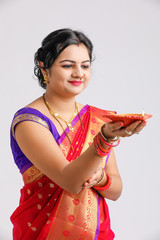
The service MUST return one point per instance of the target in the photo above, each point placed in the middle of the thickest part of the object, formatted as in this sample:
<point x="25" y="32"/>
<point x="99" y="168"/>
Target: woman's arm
<point x="115" y="189"/>
<point x="39" y="146"/>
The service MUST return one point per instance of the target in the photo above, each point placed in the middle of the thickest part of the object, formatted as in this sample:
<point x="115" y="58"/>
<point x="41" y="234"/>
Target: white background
<point x="125" y="78"/>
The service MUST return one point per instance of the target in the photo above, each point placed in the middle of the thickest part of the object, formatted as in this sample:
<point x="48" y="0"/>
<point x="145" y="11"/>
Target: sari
<point x="46" y="211"/>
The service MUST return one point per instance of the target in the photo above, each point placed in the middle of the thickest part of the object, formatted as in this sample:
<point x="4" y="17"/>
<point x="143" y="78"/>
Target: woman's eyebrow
<point x="66" y="60"/>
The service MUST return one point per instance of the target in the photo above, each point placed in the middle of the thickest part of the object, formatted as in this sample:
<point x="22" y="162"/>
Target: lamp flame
<point x="143" y="112"/>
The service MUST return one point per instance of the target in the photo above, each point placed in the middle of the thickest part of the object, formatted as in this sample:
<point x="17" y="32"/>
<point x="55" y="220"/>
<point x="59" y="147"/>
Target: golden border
<point x="28" y="117"/>
<point x="31" y="174"/>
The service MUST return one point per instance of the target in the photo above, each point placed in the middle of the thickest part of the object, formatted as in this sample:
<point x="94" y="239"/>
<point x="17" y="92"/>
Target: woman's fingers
<point x="89" y="185"/>
<point x="95" y="176"/>
<point x="135" y="127"/>
<point x="94" y="179"/>
<point x="113" y="129"/>
<point x="110" y="128"/>
<point x="140" y="127"/>
<point x="131" y="129"/>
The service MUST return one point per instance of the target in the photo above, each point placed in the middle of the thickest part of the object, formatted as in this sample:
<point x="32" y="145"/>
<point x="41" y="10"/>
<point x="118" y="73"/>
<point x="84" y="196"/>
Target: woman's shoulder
<point x="31" y="112"/>
<point x="34" y="107"/>
<point x="36" y="104"/>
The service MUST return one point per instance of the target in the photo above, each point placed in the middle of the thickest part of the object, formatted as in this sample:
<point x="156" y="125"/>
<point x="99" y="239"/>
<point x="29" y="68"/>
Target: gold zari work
<point x="28" y="117"/>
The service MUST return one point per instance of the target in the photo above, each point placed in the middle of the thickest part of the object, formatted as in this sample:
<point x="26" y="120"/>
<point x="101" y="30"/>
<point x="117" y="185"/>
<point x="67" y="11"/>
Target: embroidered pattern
<point x="28" y="117"/>
<point x="32" y="174"/>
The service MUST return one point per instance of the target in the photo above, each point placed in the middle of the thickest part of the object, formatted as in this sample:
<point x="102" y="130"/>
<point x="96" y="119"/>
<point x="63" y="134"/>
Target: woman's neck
<point x="63" y="106"/>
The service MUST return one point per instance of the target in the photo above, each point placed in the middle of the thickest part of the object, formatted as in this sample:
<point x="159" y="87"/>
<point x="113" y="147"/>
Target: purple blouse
<point x="28" y="114"/>
<point x="31" y="114"/>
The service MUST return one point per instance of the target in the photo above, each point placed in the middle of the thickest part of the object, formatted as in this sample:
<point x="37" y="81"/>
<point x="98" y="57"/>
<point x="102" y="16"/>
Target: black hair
<point x="53" y="45"/>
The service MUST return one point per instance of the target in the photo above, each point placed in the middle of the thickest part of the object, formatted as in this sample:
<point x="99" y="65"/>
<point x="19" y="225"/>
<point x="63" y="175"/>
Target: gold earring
<point x="45" y="79"/>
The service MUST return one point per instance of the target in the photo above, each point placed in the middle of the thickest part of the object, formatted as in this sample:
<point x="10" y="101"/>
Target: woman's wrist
<point x="104" y="185"/>
<point x="102" y="181"/>
<point x="101" y="148"/>
<point x="106" y="138"/>
<point x="102" y="144"/>
<point x="111" y="142"/>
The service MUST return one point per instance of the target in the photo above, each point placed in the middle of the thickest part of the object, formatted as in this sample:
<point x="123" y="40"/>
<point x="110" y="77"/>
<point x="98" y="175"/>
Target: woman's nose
<point x="78" y="73"/>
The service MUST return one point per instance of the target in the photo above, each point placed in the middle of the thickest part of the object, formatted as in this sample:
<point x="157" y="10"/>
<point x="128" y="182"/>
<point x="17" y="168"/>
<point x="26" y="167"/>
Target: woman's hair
<point x="53" y="45"/>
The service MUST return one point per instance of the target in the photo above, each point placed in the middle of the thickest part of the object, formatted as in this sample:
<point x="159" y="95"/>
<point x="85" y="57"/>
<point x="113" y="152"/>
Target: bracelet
<point x="102" y="177"/>
<point x="100" y="151"/>
<point x="97" y="148"/>
<point x="99" y="144"/>
<point x="108" y="184"/>
<point x="108" y="144"/>
<point x="107" y="141"/>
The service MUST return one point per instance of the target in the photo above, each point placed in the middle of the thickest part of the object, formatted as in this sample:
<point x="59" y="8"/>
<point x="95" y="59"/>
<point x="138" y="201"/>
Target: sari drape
<point x="46" y="211"/>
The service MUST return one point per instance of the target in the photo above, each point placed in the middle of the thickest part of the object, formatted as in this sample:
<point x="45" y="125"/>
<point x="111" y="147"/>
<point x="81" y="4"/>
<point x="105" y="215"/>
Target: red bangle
<point x="108" y="144"/>
<point x="100" y="151"/>
<point x="100" y="146"/>
<point x="108" y="184"/>
<point x="97" y="148"/>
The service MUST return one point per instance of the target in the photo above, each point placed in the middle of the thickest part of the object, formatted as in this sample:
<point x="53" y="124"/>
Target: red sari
<point x="46" y="211"/>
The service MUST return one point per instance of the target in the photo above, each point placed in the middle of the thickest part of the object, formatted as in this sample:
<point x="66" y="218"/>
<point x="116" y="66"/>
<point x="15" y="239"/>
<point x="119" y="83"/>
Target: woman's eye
<point x="85" y="66"/>
<point x="67" y="66"/>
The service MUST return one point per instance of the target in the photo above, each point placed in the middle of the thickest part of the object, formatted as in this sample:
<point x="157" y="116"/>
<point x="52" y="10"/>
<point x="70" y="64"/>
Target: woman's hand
<point x="116" y="129"/>
<point x="97" y="176"/>
<point x="112" y="130"/>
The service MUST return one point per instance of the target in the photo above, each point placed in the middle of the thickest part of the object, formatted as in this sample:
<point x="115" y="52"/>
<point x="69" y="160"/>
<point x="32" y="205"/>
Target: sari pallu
<point x="46" y="211"/>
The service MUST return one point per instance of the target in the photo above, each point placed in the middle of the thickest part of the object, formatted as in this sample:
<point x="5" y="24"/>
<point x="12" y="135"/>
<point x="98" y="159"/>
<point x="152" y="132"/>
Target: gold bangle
<point x="101" y="178"/>
<point x="108" y="139"/>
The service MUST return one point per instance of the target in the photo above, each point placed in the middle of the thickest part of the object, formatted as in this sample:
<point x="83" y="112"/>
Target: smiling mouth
<point x="76" y="83"/>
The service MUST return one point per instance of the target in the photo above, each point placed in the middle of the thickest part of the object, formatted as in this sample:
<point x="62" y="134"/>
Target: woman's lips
<point x="76" y="83"/>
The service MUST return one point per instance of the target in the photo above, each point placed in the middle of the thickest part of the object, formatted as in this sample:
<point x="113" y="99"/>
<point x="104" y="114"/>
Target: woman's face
<point x="70" y="72"/>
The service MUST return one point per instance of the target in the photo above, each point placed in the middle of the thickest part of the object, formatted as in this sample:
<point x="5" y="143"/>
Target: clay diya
<point x="127" y="118"/>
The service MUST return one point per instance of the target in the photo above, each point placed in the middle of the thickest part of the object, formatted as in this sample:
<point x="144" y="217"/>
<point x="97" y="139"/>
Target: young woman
<point x="64" y="150"/>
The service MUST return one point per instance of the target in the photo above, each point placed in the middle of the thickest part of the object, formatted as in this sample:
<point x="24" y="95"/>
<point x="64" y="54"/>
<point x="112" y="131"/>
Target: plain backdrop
<point x="125" y="78"/>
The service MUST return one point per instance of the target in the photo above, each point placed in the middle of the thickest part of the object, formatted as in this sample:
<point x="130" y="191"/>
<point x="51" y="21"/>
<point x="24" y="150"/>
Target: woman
<point x="64" y="150"/>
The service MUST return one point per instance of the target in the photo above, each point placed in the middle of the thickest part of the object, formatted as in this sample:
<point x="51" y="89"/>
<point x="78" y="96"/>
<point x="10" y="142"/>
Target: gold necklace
<point x="55" y="115"/>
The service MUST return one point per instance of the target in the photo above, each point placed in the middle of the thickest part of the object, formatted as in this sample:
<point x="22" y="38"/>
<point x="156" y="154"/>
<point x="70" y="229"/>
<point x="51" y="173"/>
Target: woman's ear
<point x="44" y="71"/>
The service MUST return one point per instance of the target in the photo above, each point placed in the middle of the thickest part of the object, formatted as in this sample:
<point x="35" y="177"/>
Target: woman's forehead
<point x="75" y="53"/>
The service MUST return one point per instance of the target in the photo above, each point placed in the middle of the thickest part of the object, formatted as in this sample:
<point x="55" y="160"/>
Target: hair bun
<point x="41" y="54"/>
